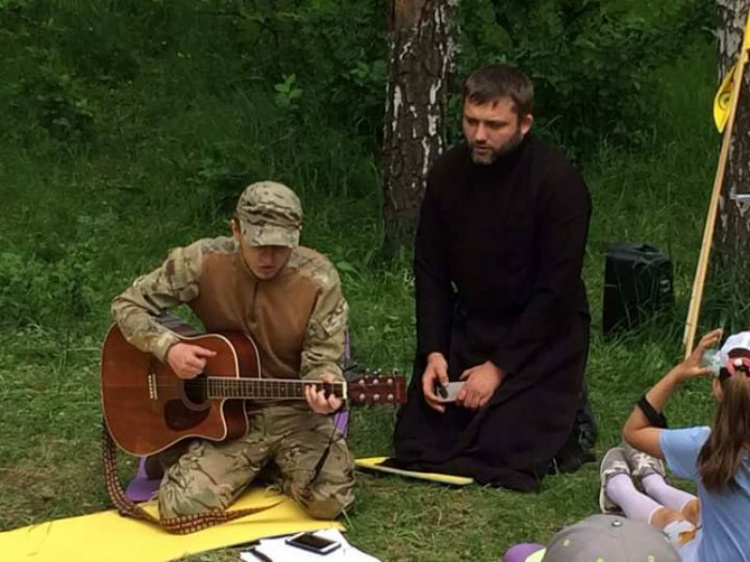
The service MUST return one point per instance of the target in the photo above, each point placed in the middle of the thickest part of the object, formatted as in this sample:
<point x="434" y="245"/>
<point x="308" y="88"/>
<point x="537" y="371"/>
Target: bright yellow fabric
<point x="373" y="463"/>
<point x="111" y="537"/>
<point x="723" y="98"/>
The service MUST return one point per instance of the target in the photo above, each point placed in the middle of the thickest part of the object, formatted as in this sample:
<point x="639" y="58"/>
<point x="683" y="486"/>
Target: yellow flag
<point x="723" y="98"/>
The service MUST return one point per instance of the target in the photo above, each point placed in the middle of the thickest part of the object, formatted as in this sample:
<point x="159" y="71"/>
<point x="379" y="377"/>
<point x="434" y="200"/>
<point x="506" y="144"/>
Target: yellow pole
<point x="691" y="324"/>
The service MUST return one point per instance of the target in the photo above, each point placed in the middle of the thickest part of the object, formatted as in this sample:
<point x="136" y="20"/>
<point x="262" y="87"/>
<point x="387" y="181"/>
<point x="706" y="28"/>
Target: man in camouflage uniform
<point x="288" y="299"/>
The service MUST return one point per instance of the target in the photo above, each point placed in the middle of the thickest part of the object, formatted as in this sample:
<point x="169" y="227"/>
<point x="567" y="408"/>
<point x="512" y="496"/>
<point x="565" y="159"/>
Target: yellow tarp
<point x="373" y="463"/>
<point x="111" y="537"/>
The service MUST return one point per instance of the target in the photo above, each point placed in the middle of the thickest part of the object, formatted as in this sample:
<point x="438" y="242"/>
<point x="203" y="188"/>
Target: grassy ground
<point x="82" y="217"/>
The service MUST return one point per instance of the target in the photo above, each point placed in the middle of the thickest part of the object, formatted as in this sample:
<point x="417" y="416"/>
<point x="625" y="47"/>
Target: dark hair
<point x="721" y="455"/>
<point x="490" y="83"/>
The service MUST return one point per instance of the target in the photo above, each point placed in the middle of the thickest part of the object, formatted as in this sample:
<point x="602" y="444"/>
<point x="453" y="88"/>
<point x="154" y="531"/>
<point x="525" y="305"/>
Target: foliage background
<point x="129" y="127"/>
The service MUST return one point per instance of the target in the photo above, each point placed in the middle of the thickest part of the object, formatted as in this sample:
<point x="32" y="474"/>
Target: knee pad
<point x="328" y="508"/>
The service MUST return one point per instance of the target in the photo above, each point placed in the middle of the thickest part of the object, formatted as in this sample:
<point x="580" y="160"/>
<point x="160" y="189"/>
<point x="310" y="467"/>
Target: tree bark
<point x="733" y="234"/>
<point x="421" y="62"/>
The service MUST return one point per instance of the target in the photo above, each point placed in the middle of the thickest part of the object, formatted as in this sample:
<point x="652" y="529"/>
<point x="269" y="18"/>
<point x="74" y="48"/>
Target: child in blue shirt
<point x="716" y="458"/>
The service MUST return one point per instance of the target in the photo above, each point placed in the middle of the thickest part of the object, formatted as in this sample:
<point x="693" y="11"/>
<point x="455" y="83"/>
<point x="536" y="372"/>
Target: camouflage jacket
<point x="298" y="319"/>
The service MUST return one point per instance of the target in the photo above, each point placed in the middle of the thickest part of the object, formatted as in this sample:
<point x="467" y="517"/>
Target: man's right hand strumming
<point x="187" y="360"/>
<point x="435" y="374"/>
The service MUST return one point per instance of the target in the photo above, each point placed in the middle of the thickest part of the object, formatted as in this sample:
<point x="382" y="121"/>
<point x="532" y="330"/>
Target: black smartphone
<point x="313" y="543"/>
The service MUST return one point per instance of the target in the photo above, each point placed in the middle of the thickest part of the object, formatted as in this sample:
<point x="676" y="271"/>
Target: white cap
<point x="735" y="341"/>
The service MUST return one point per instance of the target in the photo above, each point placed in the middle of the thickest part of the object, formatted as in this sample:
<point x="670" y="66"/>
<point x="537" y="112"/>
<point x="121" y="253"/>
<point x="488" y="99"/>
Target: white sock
<point x="656" y="487"/>
<point x="634" y="504"/>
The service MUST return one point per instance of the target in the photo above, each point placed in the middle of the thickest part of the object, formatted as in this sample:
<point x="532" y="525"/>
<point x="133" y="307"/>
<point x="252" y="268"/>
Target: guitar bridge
<point x="153" y="394"/>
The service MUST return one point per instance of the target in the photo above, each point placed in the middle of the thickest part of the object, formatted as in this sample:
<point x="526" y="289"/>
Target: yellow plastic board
<point x="374" y="463"/>
<point x="111" y="537"/>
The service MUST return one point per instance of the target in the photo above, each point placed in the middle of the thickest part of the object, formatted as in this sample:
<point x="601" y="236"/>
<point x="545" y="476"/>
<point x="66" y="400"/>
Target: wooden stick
<point x="691" y="324"/>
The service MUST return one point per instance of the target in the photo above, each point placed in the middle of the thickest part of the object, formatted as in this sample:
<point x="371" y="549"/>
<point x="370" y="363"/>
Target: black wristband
<point x="654" y="418"/>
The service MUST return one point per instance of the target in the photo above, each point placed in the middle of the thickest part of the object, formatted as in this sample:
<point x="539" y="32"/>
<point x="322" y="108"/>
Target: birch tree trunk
<point x="733" y="234"/>
<point x="421" y="62"/>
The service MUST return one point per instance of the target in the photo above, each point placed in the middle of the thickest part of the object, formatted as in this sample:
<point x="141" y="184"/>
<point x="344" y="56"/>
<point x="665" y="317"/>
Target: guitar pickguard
<point x="179" y="417"/>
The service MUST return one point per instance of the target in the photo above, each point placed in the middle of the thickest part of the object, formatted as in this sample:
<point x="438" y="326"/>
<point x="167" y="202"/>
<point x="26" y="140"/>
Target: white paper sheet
<point x="278" y="551"/>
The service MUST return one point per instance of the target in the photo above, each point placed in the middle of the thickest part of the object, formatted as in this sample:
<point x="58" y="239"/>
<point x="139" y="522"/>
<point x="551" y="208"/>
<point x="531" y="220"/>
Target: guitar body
<point x="148" y="408"/>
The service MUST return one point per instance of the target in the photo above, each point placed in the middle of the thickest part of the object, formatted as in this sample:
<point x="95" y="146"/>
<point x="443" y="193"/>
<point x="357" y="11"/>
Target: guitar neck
<point x="267" y="389"/>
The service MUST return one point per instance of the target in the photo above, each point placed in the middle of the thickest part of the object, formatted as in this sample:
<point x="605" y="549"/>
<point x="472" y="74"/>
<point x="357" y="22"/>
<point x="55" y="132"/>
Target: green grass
<point x="167" y="154"/>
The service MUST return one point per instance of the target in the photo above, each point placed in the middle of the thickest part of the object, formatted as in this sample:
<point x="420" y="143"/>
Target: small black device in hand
<point x="313" y="543"/>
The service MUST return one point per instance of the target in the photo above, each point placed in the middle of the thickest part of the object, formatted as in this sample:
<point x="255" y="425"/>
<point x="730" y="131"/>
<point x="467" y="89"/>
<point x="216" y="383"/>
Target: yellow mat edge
<point x="109" y="536"/>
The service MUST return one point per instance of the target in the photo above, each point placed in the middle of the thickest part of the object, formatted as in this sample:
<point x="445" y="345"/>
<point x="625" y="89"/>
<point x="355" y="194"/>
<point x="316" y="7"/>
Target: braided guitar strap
<point x="177" y="525"/>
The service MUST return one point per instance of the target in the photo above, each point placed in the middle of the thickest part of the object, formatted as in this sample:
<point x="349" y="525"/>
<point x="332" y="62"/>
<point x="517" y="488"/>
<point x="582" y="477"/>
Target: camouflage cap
<point x="270" y="214"/>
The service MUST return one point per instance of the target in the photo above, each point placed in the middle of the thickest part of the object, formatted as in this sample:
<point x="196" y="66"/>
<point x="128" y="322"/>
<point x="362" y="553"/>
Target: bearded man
<point x="500" y="302"/>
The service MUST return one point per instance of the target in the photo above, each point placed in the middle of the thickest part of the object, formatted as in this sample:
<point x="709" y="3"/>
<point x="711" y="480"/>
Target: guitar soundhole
<point x="179" y="417"/>
<point x="195" y="390"/>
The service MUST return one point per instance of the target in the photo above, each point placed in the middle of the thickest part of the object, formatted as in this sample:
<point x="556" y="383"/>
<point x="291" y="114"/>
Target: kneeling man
<point x="288" y="299"/>
<point x="500" y="301"/>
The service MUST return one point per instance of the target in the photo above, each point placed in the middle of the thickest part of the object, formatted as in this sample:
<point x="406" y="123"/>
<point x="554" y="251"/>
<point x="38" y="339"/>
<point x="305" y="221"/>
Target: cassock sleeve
<point x="434" y="295"/>
<point x="560" y="247"/>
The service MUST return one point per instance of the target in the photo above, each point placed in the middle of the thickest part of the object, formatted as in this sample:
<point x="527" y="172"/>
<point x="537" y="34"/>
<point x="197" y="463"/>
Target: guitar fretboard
<point x="265" y="389"/>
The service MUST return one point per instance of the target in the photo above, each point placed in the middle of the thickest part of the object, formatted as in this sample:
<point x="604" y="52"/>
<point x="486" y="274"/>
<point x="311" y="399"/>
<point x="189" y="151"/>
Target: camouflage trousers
<point x="285" y="443"/>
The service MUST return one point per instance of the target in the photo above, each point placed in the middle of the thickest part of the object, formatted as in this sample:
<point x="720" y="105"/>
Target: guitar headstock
<point x="377" y="389"/>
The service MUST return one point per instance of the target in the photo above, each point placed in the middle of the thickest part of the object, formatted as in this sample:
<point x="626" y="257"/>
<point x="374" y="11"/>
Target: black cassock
<point x="498" y="260"/>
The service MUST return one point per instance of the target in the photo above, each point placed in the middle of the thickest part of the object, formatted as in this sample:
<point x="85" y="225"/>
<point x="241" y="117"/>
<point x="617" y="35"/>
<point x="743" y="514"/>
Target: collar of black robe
<point x="503" y="161"/>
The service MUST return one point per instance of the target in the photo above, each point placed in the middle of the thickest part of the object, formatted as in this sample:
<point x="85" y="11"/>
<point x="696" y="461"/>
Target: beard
<point x="487" y="157"/>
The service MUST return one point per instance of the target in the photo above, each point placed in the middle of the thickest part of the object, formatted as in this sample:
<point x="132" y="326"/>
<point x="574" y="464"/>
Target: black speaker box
<point x="637" y="286"/>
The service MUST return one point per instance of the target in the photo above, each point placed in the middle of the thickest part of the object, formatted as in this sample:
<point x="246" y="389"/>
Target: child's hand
<point x="691" y="368"/>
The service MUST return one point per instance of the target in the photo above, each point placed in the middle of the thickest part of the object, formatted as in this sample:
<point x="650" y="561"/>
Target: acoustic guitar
<point x="148" y="408"/>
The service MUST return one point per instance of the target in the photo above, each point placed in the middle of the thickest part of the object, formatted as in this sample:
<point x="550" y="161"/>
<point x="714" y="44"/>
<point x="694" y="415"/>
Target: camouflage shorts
<point x="286" y="443"/>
